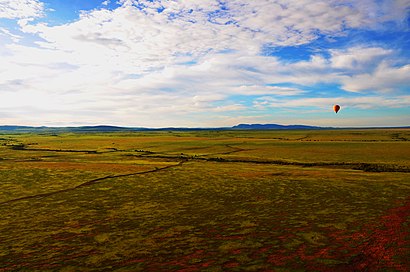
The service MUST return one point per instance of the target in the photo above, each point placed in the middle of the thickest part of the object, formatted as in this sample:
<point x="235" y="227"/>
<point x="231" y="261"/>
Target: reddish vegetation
<point x="387" y="245"/>
<point x="376" y="247"/>
<point x="379" y="246"/>
<point x="231" y="264"/>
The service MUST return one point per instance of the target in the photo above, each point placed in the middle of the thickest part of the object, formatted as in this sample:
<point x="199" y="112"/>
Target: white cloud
<point x="266" y="90"/>
<point x="195" y="28"/>
<point x="396" y="10"/>
<point x="132" y="63"/>
<point x="363" y="102"/>
<point x="358" y="58"/>
<point x="6" y="33"/>
<point x="21" y="9"/>
<point x="385" y="78"/>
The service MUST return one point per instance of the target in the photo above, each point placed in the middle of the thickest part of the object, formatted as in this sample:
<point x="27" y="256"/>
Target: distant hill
<point x="102" y="128"/>
<point x="43" y="129"/>
<point x="273" y="126"/>
<point x="11" y="128"/>
<point x="106" y="128"/>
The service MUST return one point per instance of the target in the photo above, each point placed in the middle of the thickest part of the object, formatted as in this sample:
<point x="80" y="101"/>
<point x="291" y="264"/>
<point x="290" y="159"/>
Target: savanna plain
<point x="294" y="200"/>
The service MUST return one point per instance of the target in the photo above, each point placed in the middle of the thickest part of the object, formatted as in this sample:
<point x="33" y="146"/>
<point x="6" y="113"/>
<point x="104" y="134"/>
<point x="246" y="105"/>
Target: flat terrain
<point x="320" y="200"/>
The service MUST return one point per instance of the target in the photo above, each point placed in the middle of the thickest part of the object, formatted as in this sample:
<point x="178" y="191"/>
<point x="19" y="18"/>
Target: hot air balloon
<point x="336" y="108"/>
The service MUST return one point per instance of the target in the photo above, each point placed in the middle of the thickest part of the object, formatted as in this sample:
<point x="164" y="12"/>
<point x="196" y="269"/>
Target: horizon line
<point x="204" y="127"/>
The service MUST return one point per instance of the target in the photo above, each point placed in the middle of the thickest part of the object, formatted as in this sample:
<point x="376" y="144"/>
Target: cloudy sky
<point x="204" y="63"/>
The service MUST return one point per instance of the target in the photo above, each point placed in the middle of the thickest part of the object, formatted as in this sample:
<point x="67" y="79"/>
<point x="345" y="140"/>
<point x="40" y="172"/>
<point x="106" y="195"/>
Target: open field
<point x="322" y="200"/>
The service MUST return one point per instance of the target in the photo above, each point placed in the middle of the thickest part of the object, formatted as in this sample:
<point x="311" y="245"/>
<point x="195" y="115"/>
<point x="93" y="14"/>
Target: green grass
<point x="204" y="201"/>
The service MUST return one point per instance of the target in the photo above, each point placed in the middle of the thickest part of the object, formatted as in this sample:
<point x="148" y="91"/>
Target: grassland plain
<point x="322" y="200"/>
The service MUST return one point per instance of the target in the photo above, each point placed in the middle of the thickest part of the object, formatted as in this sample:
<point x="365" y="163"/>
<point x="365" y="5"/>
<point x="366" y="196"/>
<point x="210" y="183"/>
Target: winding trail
<point x="91" y="182"/>
<point x="24" y="148"/>
<point x="235" y="150"/>
<point x="366" y="167"/>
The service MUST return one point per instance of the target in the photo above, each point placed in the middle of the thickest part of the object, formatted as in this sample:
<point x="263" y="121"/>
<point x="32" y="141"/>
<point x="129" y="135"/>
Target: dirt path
<point x="89" y="183"/>
<point x="367" y="167"/>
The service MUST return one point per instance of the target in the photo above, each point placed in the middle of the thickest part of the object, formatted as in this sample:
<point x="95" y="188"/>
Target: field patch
<point x="215" y="206"/>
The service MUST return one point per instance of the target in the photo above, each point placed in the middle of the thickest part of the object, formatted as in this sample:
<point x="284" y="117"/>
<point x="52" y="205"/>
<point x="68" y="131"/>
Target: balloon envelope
<point x="336" y="108"/>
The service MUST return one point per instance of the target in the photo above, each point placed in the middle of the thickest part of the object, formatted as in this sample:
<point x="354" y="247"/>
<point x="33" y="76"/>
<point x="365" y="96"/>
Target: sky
<point x="204" y="63"/>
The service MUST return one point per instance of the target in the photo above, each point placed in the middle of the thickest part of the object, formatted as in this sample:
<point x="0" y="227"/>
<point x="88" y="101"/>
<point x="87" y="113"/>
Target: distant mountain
<point x="102" y="128"/>
<point x="43" y="129"/>
<point x="106" y="128"/>
<point x="14" y="128"/>
<point x="272" y="126"/>
<point x="99" y="128"/>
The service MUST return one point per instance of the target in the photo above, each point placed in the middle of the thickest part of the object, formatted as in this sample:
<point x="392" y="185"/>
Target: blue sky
<point x="205" y="63"/>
